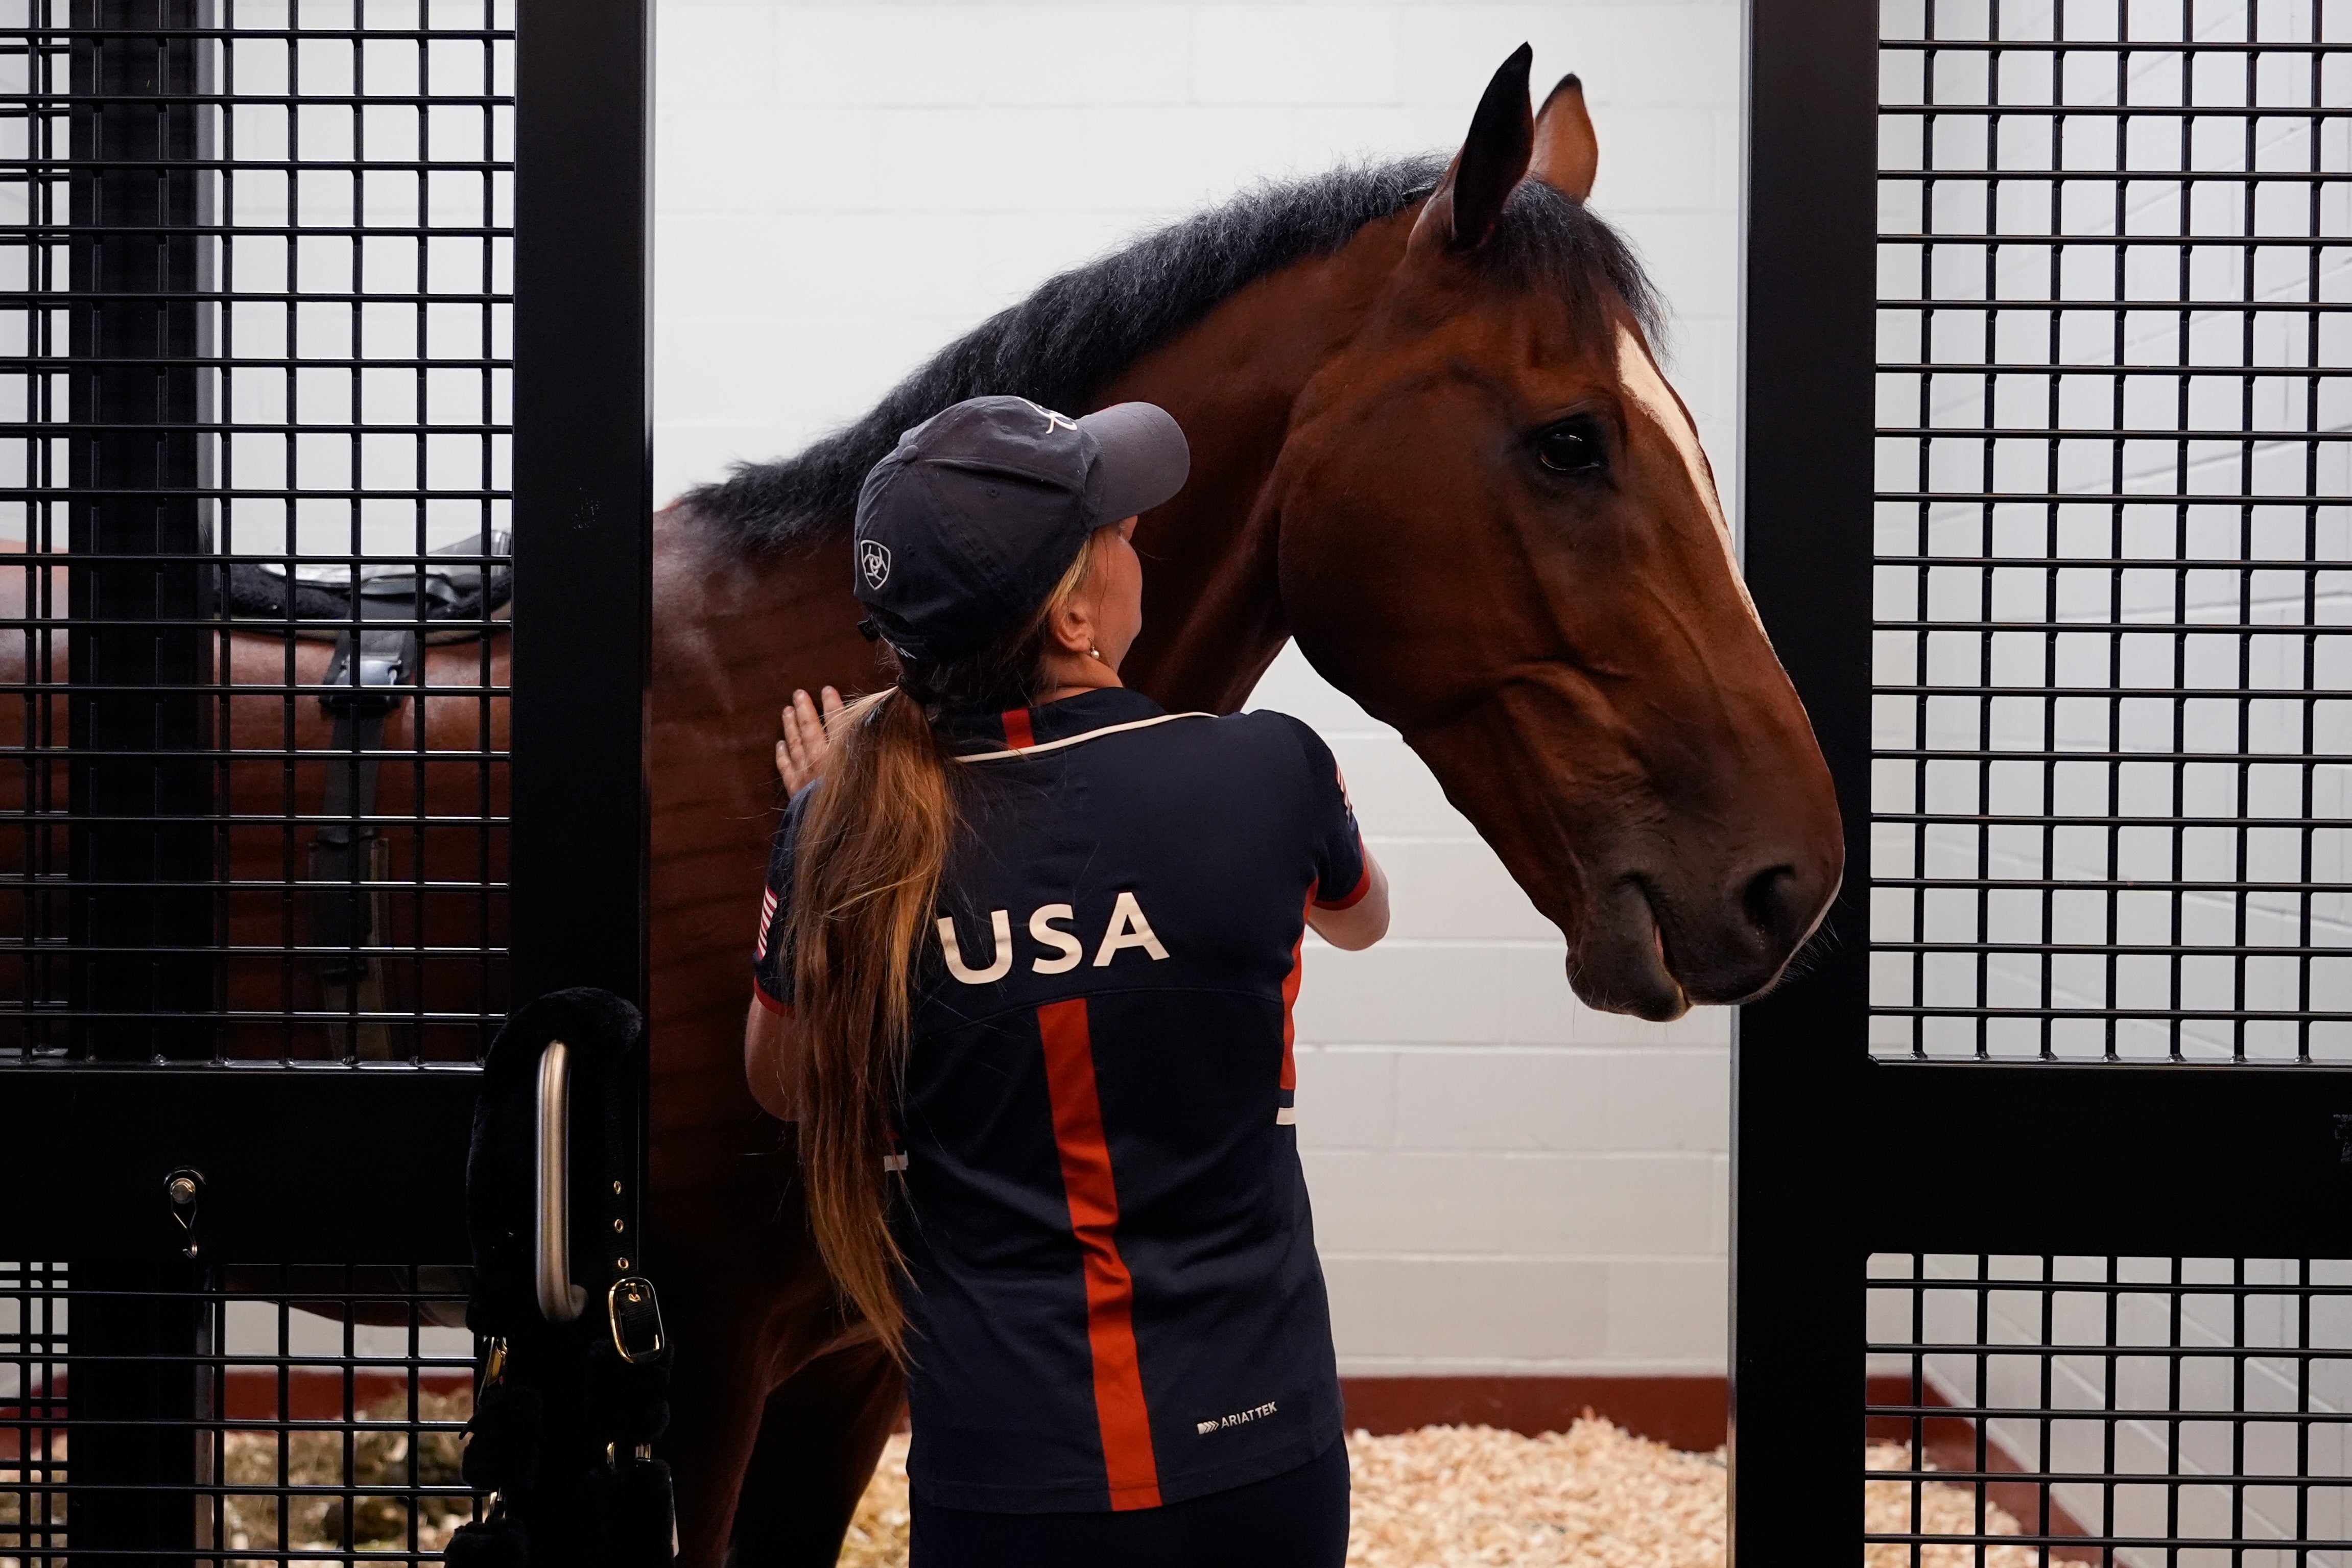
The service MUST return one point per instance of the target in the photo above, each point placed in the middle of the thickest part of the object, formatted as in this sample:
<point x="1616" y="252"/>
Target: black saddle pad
<point x="428" y="589"/>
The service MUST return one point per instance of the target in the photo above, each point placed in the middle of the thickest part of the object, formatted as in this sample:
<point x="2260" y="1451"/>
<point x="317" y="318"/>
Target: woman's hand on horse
<point x="801" y="754"/>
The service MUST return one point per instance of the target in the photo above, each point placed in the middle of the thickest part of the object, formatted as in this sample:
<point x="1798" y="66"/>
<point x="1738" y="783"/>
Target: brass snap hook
<point x="182" y="1188"/>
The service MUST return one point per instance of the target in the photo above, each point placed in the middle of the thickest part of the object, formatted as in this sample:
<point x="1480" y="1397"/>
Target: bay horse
<point x="1430" y="442"/>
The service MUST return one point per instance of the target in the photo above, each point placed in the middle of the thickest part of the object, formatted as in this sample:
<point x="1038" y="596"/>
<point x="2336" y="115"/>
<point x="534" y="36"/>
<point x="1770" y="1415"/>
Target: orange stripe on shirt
<point x="1290" y="1000"/>
<point x="1017" y="733"/>
<point x="1126" y="1423"/>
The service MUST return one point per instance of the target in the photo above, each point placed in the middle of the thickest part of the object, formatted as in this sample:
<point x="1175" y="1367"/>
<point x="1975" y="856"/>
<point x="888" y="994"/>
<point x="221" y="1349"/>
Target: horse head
<point x="1498" y="531"/>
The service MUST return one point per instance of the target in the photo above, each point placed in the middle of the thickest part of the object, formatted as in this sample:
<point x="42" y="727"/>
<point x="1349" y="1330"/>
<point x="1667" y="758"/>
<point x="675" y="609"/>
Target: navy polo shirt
<point x="1114" y="1299"/>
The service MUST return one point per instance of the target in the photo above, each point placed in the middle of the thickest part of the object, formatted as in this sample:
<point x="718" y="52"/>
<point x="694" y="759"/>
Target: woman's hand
<point x="801" y="754"/>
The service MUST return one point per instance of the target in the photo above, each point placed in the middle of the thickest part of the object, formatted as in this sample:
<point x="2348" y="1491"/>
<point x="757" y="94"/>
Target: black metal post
<point x="1806" y="448"/>
<point x="133" y="1334"/>
<point x="583" y="534"/>
<point x="140" y="843"/>
<point x="140" y="846"/>
<point x="582" y="508"/>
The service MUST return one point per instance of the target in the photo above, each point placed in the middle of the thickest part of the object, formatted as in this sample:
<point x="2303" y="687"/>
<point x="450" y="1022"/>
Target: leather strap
<point x="369" y="668"/>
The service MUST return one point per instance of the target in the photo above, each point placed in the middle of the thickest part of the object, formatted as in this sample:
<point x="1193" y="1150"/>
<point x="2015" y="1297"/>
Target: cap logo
<point x="1053" y="421"/>
<point x="873" y="560"/>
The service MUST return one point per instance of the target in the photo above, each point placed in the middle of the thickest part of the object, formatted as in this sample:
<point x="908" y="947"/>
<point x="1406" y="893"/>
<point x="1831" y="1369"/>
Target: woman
<point x="1024" y="977"/>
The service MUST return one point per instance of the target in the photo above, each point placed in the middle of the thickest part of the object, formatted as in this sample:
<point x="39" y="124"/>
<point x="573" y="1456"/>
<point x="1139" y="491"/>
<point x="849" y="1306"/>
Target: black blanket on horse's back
<point x="457" y="583"/>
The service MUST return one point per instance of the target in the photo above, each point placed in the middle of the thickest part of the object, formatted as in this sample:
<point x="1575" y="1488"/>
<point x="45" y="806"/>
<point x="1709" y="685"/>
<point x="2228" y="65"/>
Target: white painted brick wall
<point x="1504" y="1181"/>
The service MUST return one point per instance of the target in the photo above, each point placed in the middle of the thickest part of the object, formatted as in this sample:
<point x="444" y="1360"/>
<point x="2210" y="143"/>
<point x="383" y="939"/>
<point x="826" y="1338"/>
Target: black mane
<point x="1081" y="328"/>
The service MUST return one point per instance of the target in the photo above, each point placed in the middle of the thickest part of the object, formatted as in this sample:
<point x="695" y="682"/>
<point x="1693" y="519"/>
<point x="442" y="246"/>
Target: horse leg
<point x="714" y="1398"/>
<point x="819" y="1438"/>
<point x="745" y="1304"/>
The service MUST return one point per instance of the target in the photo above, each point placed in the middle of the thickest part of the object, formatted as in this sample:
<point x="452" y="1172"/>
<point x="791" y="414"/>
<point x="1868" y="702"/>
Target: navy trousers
<point x="1296" y="1519"/>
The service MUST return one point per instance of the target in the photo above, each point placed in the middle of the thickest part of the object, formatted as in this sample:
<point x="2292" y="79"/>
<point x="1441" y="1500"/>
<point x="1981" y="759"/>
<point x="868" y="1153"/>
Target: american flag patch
<point x="767" y="918"/>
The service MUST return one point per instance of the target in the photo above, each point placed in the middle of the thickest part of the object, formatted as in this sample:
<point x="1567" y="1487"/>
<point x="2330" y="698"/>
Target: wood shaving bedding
<point x="878" y="1531"/>
<point x="1596" y="1495"/>
<point x="1592" y="1497"/>
<point x="1944" y="1510"/>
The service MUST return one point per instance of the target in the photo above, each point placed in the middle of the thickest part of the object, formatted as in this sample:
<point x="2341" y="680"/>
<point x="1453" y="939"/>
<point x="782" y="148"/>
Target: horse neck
<point x="1212" y="615"/>
<point x="1213" y="605"/>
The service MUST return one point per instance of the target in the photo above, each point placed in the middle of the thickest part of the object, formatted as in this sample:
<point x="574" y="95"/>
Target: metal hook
<point x="182" y="1188"/>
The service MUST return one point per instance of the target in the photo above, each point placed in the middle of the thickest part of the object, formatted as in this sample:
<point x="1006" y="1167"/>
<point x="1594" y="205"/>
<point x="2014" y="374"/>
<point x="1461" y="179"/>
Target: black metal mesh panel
<point x="254" y="380"/>
<point x="269" y="1415"/>
<point x="2113" y="727"/>
<point x="2141" y="1411"/>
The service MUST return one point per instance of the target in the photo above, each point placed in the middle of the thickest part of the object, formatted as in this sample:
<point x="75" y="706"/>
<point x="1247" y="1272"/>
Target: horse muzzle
<point x="1654" y="950"/>
<point x="1618" y="963"/>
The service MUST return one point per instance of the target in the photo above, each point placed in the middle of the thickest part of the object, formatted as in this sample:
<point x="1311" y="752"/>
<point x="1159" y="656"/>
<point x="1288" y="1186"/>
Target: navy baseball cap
<point x="970" y="522"/>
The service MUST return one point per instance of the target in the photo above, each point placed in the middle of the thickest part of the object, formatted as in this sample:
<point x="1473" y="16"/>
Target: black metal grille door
<point x="2113" y="670"/>
<point x="263" y="263"/>
<point x="2125" y="1409"/>
<point x="269" y="407"/>
<point x="296" y="1413"/>
<point x="2043" y="1161"/>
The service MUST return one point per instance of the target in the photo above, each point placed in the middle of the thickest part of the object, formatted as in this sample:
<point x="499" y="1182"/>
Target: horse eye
<point x="1570" y="446"/>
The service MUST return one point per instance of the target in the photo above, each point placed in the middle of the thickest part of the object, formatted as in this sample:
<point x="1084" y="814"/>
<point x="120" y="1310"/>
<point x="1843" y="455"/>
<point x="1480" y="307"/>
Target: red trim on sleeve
<point x="1128" y="1462"/>
<point x="1017" y="733"/>
<point x="1290" y="1000"/>
<point x="760" y="994"/>
<point x="1356" y="895"/>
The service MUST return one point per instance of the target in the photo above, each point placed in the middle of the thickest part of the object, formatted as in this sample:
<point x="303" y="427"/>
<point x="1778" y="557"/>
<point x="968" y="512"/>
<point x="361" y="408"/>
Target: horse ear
<point x="1462" y="211"/>
<point x="1567" y="153"/>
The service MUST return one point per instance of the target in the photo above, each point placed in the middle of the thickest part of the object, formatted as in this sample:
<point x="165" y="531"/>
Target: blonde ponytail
<point x="872" y="848"/>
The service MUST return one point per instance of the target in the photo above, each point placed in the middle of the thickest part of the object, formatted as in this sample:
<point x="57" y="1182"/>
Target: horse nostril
<point x="1768" y="901"/>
